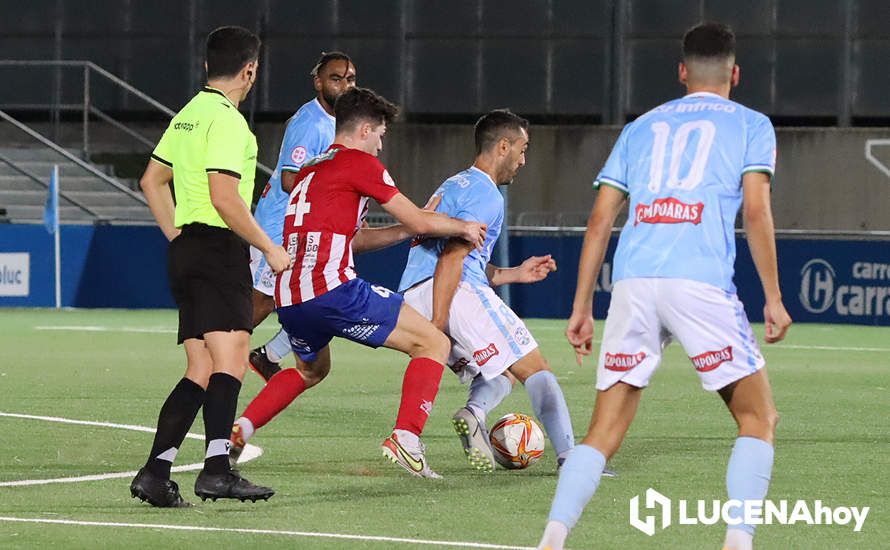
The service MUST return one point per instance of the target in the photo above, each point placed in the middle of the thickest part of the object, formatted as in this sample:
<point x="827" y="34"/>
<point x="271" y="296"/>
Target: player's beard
<point x="329" y="97"/>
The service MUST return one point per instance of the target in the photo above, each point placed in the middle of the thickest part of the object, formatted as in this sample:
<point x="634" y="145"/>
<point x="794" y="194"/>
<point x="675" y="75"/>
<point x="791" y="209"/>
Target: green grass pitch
<point x="322" y="454"/>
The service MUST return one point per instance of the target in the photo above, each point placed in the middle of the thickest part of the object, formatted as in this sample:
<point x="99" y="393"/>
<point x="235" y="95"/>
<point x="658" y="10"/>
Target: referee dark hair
<point x="210" y="151"/>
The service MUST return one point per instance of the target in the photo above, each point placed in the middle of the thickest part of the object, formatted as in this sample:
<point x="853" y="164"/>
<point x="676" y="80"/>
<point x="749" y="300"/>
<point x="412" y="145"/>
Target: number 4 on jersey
<point x="301" y="207"/>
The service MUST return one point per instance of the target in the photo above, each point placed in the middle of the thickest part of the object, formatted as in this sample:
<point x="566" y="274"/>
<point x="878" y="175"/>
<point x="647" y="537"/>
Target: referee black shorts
<point x="209" y="271"/>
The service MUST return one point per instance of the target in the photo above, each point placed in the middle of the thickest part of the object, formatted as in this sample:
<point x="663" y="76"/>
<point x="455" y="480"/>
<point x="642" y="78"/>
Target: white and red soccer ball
<point x="517" y="441"/>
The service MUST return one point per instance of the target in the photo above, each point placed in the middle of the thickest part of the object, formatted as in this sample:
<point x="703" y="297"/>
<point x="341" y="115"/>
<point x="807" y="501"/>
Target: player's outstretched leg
<point x="277" y="395"/>
<point x="428" y="349"/>
<point x="469" y="421"/>
<point x="750" y="466"/>
<point x="474" y="438"/>
<point x="547" y="400"/>
<point x="580" y="474"/>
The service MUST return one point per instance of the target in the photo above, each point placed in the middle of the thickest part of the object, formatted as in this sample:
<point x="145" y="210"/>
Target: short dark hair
<point x="229" y="49"/>
<point x="362" y="104"/>
<point x="490" y="127"/>
<point x="709" y="40"/>
<point x="327" y="57"/>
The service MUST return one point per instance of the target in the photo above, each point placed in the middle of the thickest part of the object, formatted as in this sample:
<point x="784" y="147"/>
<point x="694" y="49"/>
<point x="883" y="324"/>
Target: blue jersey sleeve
<point x="477" y="207"/>
<point x="614" y="173"/>
<point x="301" y="142"/>
<point x="447" y="205"/>
<point x="760" y="152"/>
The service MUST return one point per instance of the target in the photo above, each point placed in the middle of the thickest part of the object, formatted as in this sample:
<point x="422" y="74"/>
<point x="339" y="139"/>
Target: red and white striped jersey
<point x="326" y="208"/>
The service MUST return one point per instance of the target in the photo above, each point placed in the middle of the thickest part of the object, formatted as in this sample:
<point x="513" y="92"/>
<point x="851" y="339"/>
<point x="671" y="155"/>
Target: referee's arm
<point x="155" y="184"/>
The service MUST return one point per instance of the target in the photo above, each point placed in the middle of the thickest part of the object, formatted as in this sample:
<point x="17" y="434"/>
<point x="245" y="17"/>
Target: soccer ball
<point x="517" y="441"/>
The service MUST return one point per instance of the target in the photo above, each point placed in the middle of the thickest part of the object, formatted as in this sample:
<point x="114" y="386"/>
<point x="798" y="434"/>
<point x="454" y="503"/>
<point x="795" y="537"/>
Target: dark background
<point x="809" y="62"/>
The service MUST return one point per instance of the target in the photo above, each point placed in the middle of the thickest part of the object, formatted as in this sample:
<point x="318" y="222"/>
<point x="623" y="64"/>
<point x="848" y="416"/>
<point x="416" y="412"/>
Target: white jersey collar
<point x="704" y="94"/>
<point x="322" y="111"/>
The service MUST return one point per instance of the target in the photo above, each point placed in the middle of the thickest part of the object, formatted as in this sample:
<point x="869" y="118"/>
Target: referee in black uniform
<point x="211" y="152"/>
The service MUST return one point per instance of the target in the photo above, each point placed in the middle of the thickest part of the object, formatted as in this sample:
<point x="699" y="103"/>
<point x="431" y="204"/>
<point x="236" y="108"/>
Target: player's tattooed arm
<point x="449" y="269"/>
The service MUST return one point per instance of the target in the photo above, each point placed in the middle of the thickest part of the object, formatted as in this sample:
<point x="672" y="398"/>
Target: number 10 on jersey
<point x="696" y="172"/>
<point x="301" y="207"/>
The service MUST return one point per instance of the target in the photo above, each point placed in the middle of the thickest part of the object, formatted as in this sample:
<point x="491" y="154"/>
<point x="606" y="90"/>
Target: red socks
<point x="281" y="389"/>
<point x="419" y="389"/>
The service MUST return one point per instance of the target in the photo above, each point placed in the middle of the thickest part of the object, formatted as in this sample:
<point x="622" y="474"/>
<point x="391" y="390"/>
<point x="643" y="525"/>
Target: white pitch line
<point x="96" y="477"/>
<point x="96" y="328"/>
<point x="138" y="330"/>
<point x="250" y="452"/>
<point x="366" y="538"/>
<point x="822" y="348"/>
<point x="159" y="330"/>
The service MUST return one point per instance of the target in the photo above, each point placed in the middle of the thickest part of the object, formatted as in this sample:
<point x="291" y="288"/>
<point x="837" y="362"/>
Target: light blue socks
<point x="578" y="480"/>
<point x="748" y="474"/>
<point x="278" y="347"/>
<point x="550" y="408"/>
<point x="485" y="395"/>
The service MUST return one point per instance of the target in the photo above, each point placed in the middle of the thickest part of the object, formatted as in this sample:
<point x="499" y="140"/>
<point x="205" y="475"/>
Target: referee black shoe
<point x="159" y="492"/>
<point x="229" y="485"/>
<point x="261" y="364"/>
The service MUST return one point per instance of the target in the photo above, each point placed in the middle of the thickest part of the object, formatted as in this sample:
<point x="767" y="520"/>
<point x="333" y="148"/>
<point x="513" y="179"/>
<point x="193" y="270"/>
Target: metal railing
<point x="28" y="174"/>
<point x="87" y="108"/>
<point x="62" y="151"/>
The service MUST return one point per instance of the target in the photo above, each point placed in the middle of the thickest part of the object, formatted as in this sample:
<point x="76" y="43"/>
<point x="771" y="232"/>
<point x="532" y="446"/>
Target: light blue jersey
<point x="681" y="165"/>
<point x="309" y="133"/>
<point x="471" y="196"/>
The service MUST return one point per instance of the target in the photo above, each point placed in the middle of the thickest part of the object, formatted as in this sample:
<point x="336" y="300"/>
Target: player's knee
<point x="312" y="379"/>
<point x="442" y="346"/>
<point x="769" y="419"/>
<point x="760" y="423"/>
<point x="198" y="371"/>
<point x="773" y="419"/>
<point x="434" y="345"/>
<point x="313" y="375"/>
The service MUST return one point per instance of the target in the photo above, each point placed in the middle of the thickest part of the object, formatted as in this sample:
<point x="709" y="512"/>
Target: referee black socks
<point x="220" y="402"/>
<point x="176" y="417"/>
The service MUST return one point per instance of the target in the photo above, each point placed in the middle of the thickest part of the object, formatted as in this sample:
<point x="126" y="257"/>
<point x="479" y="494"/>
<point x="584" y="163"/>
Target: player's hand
<point x="536" y="268"/>
<point x="777" y="321"/>
<point x="277" y="258"/>
<point x="474" y="233"/>
<point x="579" y="333"/>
